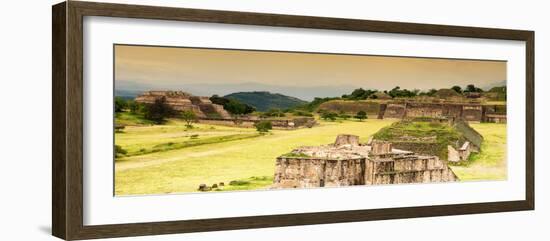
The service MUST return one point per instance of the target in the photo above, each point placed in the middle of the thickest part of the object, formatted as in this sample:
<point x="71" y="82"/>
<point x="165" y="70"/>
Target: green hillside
<point x="264" y="100"/>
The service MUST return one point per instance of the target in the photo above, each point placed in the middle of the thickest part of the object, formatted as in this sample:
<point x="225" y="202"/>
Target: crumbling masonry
<point x="182" y="101"/>
<point x="347" y="162"/>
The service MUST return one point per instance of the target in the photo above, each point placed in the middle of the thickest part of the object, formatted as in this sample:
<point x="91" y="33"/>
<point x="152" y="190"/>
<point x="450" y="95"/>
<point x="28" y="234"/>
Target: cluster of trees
<point x="363" y="94"/>
<point x="232" y="106"/>
<point x="396" y="92"/>
<point x="469" y="89"/>
<point x="359" y="94"/>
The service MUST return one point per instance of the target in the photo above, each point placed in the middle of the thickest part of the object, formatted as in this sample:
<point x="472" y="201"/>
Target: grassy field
<point x="172" y="158"/>
<point x="139" y="140"/>
<point x="490" y="163"/>
<point x="249" y="161"/>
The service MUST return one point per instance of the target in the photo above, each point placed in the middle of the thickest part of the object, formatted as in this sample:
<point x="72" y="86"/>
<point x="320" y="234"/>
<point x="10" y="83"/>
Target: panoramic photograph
<point x="201" y="120"/>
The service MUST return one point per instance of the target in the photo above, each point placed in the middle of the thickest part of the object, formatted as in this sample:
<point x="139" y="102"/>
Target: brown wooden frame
<point x="67" y="123"/>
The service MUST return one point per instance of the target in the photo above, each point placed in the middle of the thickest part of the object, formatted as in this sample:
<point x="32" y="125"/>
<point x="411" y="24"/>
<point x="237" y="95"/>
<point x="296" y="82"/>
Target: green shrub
<point x="263" y="126"/>
<point x="189" y="117"/>
<point x="361" y="115"/>
<point x="344" y="116"/>
<point x="119" y="152"/>
<point x="330" y="116"/>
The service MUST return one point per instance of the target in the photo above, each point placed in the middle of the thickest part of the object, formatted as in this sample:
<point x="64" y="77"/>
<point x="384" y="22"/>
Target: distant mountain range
<point x="263" y="100"/>
<point x="308" y="93"/>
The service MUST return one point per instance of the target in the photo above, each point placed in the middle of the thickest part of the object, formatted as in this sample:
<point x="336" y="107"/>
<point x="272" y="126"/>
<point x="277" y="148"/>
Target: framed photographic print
<point x="171" y="120"/>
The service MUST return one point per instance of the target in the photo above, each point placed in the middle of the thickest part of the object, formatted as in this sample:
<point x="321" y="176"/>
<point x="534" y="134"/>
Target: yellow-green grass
<point x="129" y="119"/>
<point x="490" y="163"/>
<point x="139" y="140"/>
<point x="184" y="169"/>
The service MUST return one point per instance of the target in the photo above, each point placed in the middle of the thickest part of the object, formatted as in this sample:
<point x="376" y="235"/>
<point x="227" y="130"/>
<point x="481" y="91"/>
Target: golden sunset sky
<point x="146" y="67"/>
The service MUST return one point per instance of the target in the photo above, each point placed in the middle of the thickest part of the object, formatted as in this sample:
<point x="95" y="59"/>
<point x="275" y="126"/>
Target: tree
<point x="263" y="126"/>
<point x="233" y="106"/>
<point x="120" y="104"/>
<point x="158" y="111"/>
<point x="472" y="88"/>
<point x="398" y="92"/>
<point x="189" y="117"/>
<point x="331" y="116"/>
<point x="361" y="115"/>
<point x="135" y="108"/>
<point x="457" y="88"/>
<point x="359" y="94"/>
<point x="343" y="115"/>
<point x="216" y="99"/>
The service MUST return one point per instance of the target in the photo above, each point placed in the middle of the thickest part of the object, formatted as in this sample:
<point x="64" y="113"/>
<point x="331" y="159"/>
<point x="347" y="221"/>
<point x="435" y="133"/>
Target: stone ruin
<point x="183" y="101"/>
<point x="348" y="162"/>
<point x="210" y="113"/>
<point x="470" y="111"/>
<point x="453" y="151"/>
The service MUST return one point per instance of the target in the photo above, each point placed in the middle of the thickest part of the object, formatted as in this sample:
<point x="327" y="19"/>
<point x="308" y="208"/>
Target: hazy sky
<point x="215" y="71"/>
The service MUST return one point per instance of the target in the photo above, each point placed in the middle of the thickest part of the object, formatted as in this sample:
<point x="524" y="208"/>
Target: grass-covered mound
<point x="422" y="137"/>
<point x="372" y="108"/>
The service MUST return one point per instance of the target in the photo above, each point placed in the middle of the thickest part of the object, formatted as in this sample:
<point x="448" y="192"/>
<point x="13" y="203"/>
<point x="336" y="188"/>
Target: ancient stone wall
<point x="407" y="168"/>
<point x="472" y="113"/>
<point x="421" y="147"/>
<point x="493" y="118"/>
<point x="414" y="110"/>
<point x="299" y="172"/>
<point x="394" y="111"/>
<point x="468" y="112"/>
<point x="494" y="113"/>
<point x="372" y="108"/>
